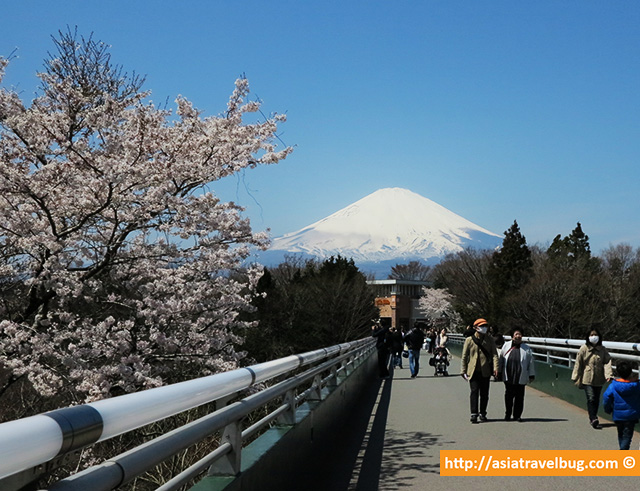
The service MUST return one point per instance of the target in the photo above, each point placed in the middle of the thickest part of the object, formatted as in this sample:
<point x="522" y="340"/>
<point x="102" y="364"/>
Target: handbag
<point x="405" y="354"/>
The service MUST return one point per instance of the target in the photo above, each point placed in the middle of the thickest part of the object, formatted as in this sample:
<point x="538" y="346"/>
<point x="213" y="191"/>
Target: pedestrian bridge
<point x="320" y="420"/>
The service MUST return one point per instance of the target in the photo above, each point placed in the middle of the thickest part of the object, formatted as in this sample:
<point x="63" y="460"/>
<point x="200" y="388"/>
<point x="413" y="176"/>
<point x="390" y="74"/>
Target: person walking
<point x="517" y="370"/>
<point x="622" y="400"/>
<point x="432" y="340"/>
<point x="442" y="339"/>
<point x="591" y="371"/>
<point x="479" y="363"/>
<point x="381" y="333"/>
<point x="414" y="340"/>
<point x="396" y="342"/>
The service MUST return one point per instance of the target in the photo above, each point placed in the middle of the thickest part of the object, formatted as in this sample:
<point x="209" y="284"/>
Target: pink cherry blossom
<point x="120" y="268"/>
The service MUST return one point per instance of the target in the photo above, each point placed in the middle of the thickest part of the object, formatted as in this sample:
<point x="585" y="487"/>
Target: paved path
<point x="413" y="419"/>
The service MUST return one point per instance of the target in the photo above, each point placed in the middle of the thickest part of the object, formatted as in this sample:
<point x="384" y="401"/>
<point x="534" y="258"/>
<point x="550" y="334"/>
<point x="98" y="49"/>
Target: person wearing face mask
<point x="517" y="369"/>
<point x="479" y="363"/>
<point x="591" y="371"/>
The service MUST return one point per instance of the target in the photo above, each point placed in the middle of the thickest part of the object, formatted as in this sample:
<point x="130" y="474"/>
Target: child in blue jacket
<point x="622" y="398"/>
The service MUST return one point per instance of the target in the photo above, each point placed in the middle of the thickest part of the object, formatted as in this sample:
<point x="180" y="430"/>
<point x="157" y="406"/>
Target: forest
<point x="560" y="291"/>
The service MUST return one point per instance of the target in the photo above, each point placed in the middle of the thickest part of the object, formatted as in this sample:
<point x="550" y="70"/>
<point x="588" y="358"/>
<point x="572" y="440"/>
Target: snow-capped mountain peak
<point x="389" y="224"/>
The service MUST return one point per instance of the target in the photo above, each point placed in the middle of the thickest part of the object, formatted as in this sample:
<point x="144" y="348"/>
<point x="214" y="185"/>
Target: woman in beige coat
<point x="591" y="371"/>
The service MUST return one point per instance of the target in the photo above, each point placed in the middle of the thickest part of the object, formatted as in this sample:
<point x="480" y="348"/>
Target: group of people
<point x="513" y="364"/>
<point x="436" y="339"/>
<point x="621" y="399"/>
<point x="390" y="343"/>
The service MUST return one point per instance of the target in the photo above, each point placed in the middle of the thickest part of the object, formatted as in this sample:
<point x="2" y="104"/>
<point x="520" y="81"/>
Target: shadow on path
<point x="354" y="459"/>
<point x="367" y="472"/>
<point x="407" y="458"/>
<point x="360" y="456"/>
<point x="525" y="420"/>
<point x="428" y="374"/>
<point x="408" y="451"/>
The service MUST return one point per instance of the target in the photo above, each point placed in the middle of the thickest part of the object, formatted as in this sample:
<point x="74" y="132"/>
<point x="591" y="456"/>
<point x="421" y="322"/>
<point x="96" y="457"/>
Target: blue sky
<point x="497" y="110"/>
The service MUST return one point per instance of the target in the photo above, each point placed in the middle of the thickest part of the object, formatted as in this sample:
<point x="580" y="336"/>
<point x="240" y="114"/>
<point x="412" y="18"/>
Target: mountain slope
<point x="391" y="224"/>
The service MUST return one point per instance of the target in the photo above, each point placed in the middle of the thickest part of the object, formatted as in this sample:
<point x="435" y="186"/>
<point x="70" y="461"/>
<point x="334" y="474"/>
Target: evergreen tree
<point x="511" y="266"/>
<point x="557" y="251"/>
<point x="310" y="305"/>
<point x="573" y="251"/>
<point x="578" y="285"/>
<point x="578" y="243"/>
<point x="510" y="269"/>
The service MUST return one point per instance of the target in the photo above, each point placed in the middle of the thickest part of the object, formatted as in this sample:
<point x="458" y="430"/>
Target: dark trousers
<point x="396" y="359"/>
<point x="479" y="386"/>
<point x="625" y="433"/>
<point x="513" y="400"/>
<point x="383" y="362"/>
<point x="593" y="400"/>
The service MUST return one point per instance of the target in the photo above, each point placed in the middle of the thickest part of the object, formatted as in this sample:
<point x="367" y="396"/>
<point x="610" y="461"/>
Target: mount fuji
<point x="388" y="227"/>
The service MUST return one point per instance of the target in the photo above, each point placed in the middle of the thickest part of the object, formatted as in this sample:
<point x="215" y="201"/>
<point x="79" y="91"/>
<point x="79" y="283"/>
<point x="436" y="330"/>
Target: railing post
<point x="230" y="464"/>
<point x="316" y="393"/>
<point x="348" y="365"/>
<point x="333" y="378"/>
<point x="343" y="369"/>
<point x="289" y="416"/>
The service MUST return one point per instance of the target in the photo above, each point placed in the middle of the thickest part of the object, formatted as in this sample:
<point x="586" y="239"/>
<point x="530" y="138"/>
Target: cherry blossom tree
<point x="119" y="266"/>
<point x="436" y="305"/>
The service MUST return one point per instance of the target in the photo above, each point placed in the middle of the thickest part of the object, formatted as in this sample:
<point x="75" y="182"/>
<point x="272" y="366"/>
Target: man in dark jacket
<point x="414" y="340"/>
<point x="381" y="333"/>
<point x="432" y="340"/>
<point x="396" y="343"/>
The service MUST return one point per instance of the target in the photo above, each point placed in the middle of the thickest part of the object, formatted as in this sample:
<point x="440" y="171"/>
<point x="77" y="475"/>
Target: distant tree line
<point x="413" y="270"/>
<point x="561" y="291"/>
<point x="304" y="305"/>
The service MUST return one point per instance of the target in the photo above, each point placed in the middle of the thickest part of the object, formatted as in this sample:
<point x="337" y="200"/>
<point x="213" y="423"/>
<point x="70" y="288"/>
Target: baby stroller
<point x="440" y="361"/>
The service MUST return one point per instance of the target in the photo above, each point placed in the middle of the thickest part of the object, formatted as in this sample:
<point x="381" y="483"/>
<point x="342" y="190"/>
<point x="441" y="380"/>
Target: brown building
<point x="398" y="300"/>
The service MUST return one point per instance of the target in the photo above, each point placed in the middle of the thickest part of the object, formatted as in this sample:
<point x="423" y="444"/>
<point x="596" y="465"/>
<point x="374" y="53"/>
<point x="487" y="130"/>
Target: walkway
<point x="413" y="419"/>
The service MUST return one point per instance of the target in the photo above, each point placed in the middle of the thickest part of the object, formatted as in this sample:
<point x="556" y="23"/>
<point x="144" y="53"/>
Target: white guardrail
<point x="26" y="445"/>
<point x="561" y="352"/>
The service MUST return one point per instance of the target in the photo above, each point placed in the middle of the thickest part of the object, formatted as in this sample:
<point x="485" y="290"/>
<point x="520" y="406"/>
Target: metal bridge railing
<point x="33" y="446"/>
<point x="562" y="352"/>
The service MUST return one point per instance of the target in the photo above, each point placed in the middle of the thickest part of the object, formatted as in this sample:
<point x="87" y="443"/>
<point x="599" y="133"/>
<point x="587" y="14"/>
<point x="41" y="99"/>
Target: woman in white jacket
<point x="442" y="339"/>
<point x="517" y="369"/>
